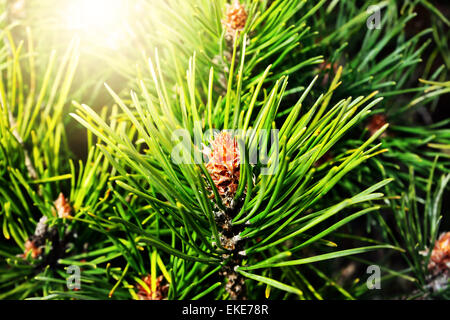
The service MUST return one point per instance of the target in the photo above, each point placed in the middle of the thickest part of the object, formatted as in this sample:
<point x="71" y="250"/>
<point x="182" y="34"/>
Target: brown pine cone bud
<point x="62" y="206"/>
<point x="235" y="18"/>
<point x="30" y="246"/>
<point x="224" y="165"/>
<point x="160" y="292"/>
<point x="440" y="256"/>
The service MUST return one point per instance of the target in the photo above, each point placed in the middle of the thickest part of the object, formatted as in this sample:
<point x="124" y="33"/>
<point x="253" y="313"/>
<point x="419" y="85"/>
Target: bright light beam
<point x="99" y="21"/>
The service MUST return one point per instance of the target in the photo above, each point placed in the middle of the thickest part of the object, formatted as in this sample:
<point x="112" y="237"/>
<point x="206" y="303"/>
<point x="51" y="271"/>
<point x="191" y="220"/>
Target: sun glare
<point x="100" y="21"/>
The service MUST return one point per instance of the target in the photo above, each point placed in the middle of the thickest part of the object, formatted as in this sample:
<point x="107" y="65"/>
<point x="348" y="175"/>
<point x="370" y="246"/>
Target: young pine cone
<point x="62" y="206"/>
<point x="440" y="256"/>
<point x="32" y="249"/>
<point x="224" y="165"/>
<point x="160" y="292"/>
<point x="235" y="19"/>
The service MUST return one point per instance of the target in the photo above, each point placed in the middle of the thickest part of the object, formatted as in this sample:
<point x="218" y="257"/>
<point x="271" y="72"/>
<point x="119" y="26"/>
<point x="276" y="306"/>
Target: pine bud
<point x="440" y="256"/>
<point x="160" y="292"/>
<point x="235" y="18"/>
<point x="30" y="246"/>
<point x="224" y="165"/>
<point x="62" y="206"/>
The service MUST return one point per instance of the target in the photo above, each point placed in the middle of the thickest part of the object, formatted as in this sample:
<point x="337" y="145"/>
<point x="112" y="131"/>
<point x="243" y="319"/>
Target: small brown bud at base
<point x="62" y="206"/>
<point x="440" y="256"/>
<point x="160" y="292"/>
<point x="224" y="165"/>
<point x="235" y="18"/>
<point x="30" y="246"/>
